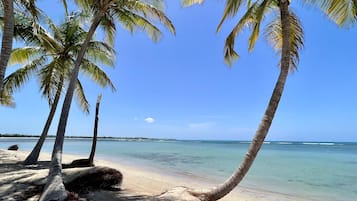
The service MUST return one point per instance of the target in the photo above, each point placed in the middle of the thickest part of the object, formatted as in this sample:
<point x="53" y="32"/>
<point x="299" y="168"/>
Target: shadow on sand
<point x="20" y="182"/>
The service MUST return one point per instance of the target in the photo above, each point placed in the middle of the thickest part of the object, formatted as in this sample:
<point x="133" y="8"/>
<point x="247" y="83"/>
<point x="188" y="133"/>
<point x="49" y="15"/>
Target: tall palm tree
<point x="51" y="61"/>
<point x="286" y="36"/>
<point x="8" y="29"/>
<point x="133" y="14"/>
<point x="8" y="32"/>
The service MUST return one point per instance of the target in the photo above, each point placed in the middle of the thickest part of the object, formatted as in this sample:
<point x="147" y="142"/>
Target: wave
<point x="327" y="143"/>
<point x="284" y="143"/>
<point x="320" y="143"/>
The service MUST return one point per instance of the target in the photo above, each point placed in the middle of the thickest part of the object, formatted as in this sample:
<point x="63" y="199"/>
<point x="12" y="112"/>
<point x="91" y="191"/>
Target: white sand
<point x="138" y="181"/>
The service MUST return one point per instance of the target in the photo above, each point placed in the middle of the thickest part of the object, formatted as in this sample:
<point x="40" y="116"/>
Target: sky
<point x="180" y="87"/>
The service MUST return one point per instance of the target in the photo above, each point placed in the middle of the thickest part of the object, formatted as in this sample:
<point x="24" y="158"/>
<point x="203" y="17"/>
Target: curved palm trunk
<point x="95" y="132"/>
<point x="54" y="189"/>
<point x="7" y="36"/>
<point x="32" y="158"/>
<point x="237" y="176"/>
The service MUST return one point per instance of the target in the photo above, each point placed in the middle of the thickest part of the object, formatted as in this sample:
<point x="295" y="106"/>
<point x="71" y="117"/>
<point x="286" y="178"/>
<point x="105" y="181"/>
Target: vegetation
<point x="50" y="60"/>
<point x="285" y="34"/>
<point x="6" y="43"/>
<point x="56" y="59"/>
<point x="7" y="6"/>
<point x="132" y="14"/>
<point x="90" y="160"/>
<point x="95" y="131"/>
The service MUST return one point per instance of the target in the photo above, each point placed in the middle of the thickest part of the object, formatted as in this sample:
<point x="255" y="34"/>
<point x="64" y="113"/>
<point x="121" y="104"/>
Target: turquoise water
<point x="317" y="171"/>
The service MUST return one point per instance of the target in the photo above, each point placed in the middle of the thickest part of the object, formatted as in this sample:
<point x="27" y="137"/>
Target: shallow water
<point x="313" y="170"/>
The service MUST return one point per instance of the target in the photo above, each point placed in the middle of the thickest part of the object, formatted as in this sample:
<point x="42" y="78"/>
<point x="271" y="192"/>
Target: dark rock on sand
<point x="14" y="147"/>
<point x="78" y="163"/>
<point x="94" y="179"/>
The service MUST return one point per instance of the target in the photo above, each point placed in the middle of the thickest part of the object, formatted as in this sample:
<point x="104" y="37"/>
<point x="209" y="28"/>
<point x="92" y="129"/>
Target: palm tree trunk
<point x="32" y="158"/>
<point x="7" y="36"/>
<point x="54" y="187"/>
<point x="261" y="133"/>
<point x="95" y="132"/>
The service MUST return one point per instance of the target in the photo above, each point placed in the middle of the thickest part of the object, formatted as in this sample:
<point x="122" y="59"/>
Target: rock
<point x="93" y="178"/>
<point x="78" y="163"/>
<point x="14" y="147"/>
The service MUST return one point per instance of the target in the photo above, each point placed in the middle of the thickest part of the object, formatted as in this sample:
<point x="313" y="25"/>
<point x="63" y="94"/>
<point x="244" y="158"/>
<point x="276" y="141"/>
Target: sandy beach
<point x="139" y="183"/>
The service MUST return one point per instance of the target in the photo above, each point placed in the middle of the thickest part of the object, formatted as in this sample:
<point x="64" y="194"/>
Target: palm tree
<point x="8" y="30"/>
<point x="95" y="131"/>
<point x="6" y="45"/>
<point x="286" y="36"/>
<point x="131" y="14"/>
<point x="60" y="51"/>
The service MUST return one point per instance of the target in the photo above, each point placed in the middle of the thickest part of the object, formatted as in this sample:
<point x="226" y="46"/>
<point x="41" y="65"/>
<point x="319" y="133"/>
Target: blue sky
<point x="181" y="88"/>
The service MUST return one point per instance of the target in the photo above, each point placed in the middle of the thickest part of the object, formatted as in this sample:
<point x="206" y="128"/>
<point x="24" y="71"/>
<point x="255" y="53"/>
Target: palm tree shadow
<point x="39" y="166"/>
<point x="121" y="195"/>
<point x="13" y="174"/>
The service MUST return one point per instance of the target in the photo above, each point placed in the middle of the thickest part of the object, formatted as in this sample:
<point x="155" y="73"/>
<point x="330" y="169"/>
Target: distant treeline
<point x="83" y="137"/>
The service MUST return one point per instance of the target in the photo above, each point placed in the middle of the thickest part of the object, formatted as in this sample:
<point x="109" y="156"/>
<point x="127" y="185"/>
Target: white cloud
<point x="149" y="120"/>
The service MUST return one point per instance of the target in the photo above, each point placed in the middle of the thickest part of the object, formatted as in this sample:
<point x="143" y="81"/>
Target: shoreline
<point x="143" y="180"/>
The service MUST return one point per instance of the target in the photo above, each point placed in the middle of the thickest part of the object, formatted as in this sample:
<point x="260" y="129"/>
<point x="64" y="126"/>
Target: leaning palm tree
<point x="8" y="10"/>
<point x="51" y="62"/>
<point x="285" y="34"/>
<point x="133" y="14"/>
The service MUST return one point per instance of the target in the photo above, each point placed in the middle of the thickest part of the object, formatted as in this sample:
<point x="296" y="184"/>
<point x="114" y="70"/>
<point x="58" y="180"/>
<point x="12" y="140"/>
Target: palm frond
<point x="85" y="4"/>
<point x="108" y="26"/>
<point x="26" y="28"/>
<point x="259" y="14"/>
<point x="29" y="6"/>
<point x="49" y="77"/>
<point x="81" y="98"/>
<point x="64" y="2"/>
<point x="230" y="10"/>
<point x="152" y="13"/>
<point x="47" y="42"/>
<point x="100" y="52"/>
<point x="249" y="3"/>
<point x="273" y="34"/>
<point x="159" y="4"/>
<point x="96" y="74"/>
<point x="18" y="78"/>
<point x="342" y="12"/>
<point x="132" y="15"/>
<point x="24" y="55"/>
<point x="132" y="22"/>
<point x="191" y="2"/>
<point x="230" y="55"/>
<point x="7" y="100"/>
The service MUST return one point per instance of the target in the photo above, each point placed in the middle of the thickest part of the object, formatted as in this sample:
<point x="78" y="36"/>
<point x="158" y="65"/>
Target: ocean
<point x="323" y="171"/>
